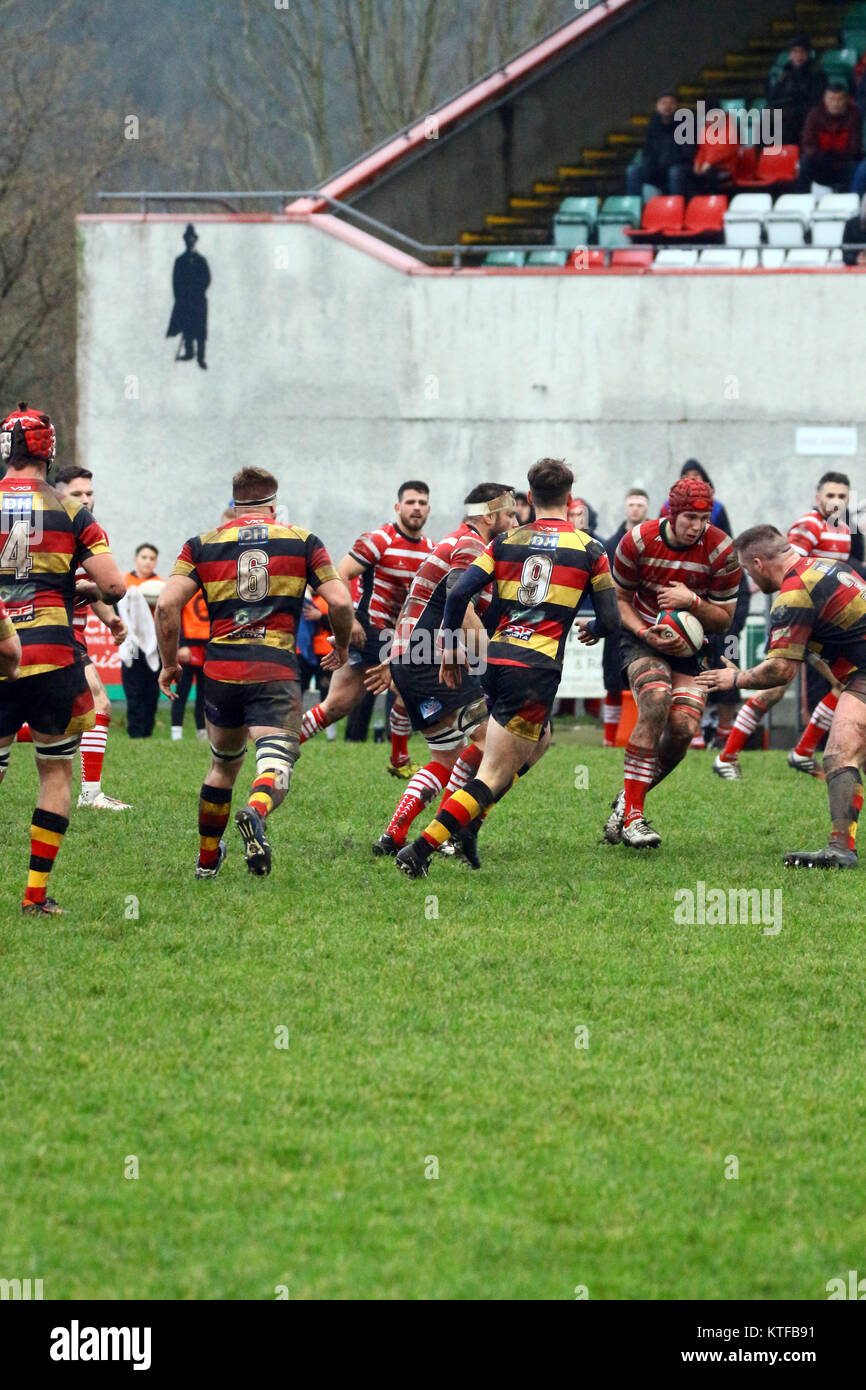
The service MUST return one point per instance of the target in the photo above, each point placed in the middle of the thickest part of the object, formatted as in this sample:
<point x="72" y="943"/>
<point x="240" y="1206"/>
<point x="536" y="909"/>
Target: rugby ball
<point x="151" y="590"/>
<point x="686" y="627"/>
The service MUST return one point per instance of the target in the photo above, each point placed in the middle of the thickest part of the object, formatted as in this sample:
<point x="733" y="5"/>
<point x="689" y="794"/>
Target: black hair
<point x="485" y="492"/>
<point x="692" y="466"/>
<point x="834" y="478"/>
<point x="413" y="486"/>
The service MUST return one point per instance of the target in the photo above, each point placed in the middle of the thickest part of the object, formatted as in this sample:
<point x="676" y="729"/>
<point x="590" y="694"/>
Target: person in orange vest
<point x="312" y="644"/>
<point x="195" y="626"/>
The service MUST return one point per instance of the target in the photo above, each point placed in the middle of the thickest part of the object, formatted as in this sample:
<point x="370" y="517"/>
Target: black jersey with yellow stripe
<point x="540" y="574"/>
<point x="820" y="607"/>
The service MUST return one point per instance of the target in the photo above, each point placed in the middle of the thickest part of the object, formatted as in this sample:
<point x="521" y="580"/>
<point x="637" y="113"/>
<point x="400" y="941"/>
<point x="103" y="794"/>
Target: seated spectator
<point x="796" y="88"/>
<point x="664" y="161"/>
<point x="714" y="169"/>
<point x="854" y="235"/>
<point x="831" y="141"/>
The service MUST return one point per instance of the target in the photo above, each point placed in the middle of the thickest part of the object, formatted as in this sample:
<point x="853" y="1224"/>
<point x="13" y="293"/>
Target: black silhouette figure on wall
<point x="190" y="279"/>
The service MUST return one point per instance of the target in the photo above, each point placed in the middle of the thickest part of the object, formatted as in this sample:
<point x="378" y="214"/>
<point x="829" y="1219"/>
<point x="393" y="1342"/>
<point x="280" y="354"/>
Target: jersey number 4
<point x="535" y="580"/>
<point x="253" y="578"/>
<point x="15" y="554"/>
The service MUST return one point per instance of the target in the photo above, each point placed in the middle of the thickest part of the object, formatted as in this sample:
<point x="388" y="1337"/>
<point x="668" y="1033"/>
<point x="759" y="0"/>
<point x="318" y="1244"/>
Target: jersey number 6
<point x="253" y="578"/>
<point x="535" y="580"/>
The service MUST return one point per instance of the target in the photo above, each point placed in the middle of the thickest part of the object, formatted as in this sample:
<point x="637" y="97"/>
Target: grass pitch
<point x="430" y="1023"/>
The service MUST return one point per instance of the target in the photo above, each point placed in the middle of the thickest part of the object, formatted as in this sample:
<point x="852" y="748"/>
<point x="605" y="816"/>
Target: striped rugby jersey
<point x="43" y="540"/>
<point x="425" y="602"/>
<point x="253" y="574"/>
<point x="539" y="573"/>
<point x="821" y="604"/>
<point x="391" y="560"/>
<point x="646" y="561"/>
<point x="816" y="536"/>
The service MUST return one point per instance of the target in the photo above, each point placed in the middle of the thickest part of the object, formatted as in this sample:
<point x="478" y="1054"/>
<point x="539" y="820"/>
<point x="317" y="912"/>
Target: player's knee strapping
<point x="689" y="702"/>
<point x="221" y="756"/>
<point x="62" y="751"/>
<point x="446" y="739"/>
<point x="275" y="760"/>
<point x="845" y="791"/>
<point x="4" y="759"/>
<point x="654" y="681"/>
<point x="459" y="811"/>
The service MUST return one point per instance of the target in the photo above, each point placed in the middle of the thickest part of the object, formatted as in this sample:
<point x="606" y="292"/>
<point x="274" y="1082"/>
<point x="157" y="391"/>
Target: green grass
<point x="413" y="1035"/>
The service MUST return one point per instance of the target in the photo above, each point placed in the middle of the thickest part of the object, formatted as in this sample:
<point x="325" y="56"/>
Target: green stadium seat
<point x="854" y="37"/>
<point x="733" y="104"/>
<point x="616" y="214"/>
<point x="505" y="258"/>
<point x="548" y="257"/>
<point x="839" y="62"/>
<point x="575" y="221"/>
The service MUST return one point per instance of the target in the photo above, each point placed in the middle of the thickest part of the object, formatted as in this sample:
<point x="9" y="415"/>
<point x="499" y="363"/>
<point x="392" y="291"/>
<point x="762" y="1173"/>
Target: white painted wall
<point x="345" y="376"/>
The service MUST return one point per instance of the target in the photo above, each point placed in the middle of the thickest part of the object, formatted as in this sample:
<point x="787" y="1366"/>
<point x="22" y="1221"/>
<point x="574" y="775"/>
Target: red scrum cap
<point x="27" y="433"/>
<point x="689" y="495"/>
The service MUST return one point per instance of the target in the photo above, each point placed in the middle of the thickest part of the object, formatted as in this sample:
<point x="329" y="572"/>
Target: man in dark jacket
<point x="795" y="88"/>
<point x="190" y="280"/>
<point x="664" y="161"/>
<point x="854" y="235"/>
<point x="831" y="141"/>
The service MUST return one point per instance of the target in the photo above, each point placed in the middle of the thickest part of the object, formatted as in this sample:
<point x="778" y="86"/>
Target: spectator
<point x="831" y="141"/>
<point x="796" y="88"/>
<point x="140" y="679"/>
<point x="636" y="508"/>
<point x="665" y="160"/>
<point x="854" y="235"/>
<point x="718" y="517"/>
<point x="525" y="512"/>
<point x="195" y="626"/>
<point x="714" y="169"/>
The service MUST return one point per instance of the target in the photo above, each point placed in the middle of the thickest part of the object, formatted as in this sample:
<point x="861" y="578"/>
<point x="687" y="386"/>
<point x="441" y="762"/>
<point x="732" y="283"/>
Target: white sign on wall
<point x="582" y="677"/>
<point x="829" y="440"/>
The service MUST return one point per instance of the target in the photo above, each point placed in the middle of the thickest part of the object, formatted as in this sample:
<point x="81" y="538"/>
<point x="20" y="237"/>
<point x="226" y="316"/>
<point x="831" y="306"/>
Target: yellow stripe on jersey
<point x="548" y="646"/>
<point x="484" y="562"/>
<point x="281" y="586"/>
<point x="558" y="595"/>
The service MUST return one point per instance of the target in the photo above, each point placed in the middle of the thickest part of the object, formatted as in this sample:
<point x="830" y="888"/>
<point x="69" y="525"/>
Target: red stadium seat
<point x="661" y="217"/>
<point x="586" y="258"/>
<point x="774" y="166"/>
<point x="703" y="216"/>
<point x="633" y="255"/>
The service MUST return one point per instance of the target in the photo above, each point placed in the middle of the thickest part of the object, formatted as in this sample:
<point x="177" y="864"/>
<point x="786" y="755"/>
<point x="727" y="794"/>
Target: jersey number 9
<point x="535" y="580"/>
<point x="253" y="578"/>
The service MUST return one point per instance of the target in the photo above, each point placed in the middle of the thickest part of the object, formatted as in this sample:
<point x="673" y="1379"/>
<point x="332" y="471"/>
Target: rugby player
<point x="387" y="561"/>
<point x="820" y="604"/>
<point x="680" y="561"/>
<point x="446" y="718"/>
<point x="821" y="534"/>
<point x="540" y="573"/>
<point x="77" y="483"/>
<point x="253" y="573"/>
<point x="43" y="541"/>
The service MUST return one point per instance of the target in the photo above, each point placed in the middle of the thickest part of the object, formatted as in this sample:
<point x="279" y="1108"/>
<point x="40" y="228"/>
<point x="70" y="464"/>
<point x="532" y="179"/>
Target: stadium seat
<point x="675" y="258"/>
<point x="839" y="63"/>
<point x="616" y="214"/>
<point x="548" y="257"/>
<point x="505" y="258"/>
<point x="830" y="216"/>
<point x="744" y="219"/>
<point x="733" y="104"/>
<point x="747" y="163"/>
<point x="720" y="258"/>
<point x="775" y="165"/>
<point x="808" y="256"/>
<point x="660" y="216"/>
<point x="703" y="217"/>
<point x="772" y="257"/>
<point x="854" y="37"/>
<point x="786" y="222"/>
<point x="632" y="255"/>
<point x="586" y="258"/>
<point x="575" y="221"/>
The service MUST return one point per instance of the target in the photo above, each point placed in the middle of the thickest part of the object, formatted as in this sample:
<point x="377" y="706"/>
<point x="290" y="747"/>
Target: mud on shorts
<point x="632" y="649"/>
<point x="520" y="698"/>
<point x="233" y="704"/>
<point x="429" y="703"/>
<point x="54" y="702"/>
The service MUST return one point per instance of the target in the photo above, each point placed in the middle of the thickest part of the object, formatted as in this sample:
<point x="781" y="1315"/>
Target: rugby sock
<point x="213" y="813"/>
<point x="93" y="754"/>
<point x="745" y="725"/>
<point x="459" y="811"/>
<point x="46" y="836"/>
<point x="640" y="765"/>
<point x="610" y="714"/>
<point x="24" y="735"/>
<point x="420" y="790"/>
<point x="401" y="728"/>
<point x="465" y="768"/>
<point x="819" y="722"/>
<point x="261" y="793"/>
<point x="312" y="723"/>
<point x="845" y="791"/>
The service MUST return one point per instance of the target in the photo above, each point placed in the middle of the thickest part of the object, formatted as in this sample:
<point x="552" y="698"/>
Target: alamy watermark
<point x="712" y="126"/>
<point x="719" y="907"/>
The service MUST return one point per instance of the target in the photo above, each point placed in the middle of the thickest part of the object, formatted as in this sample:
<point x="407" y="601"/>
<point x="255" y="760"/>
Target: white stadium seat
<point x="786" y="223"/>
<point x="675" y="258"/>
<point x="830" y="216"/>
<point x="808" y="256"/>
<point x="744" y="219"/>
<point x="772" y="257"/>
<point x="720" y="258"/>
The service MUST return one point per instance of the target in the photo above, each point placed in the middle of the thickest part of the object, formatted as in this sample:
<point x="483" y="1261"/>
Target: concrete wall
<point x="345" y="377"/>
<point x="463" y="176"/>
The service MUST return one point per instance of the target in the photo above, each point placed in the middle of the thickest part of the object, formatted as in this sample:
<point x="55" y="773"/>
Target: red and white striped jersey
<point x="645" y="562"/>
<point x="425" y="602"/>
<point x="816" y="536"/>
<point x="391" y="560"/>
